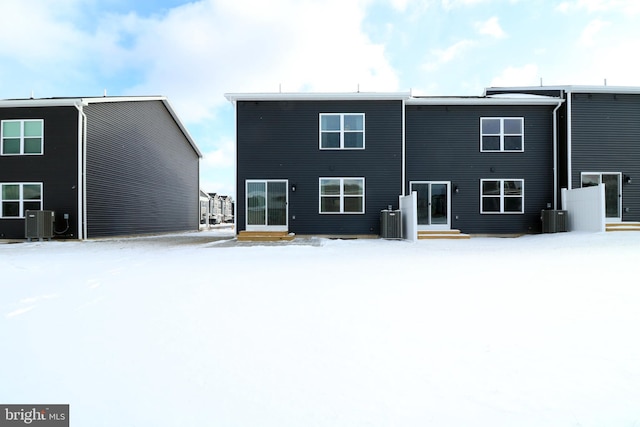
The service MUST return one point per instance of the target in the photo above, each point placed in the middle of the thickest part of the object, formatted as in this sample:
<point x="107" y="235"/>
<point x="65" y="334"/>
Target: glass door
<point x="266" y="205"/>
<point x="434" y="204"/>
<point x="612" y="191"/>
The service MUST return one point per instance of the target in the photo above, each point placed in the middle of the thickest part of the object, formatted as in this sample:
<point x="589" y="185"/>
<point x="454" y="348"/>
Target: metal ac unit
<point x="554" y="221"/>
<point x="39" y="224"/>
<point x="391" y="224"/>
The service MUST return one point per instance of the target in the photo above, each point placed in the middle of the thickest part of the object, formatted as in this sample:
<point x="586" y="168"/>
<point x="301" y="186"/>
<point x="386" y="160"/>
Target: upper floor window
<point x="501" y="196"/>
<point x="502" y="134"/>
<point x="16" y="198"/>
<point x="341" y="131"/>
<point x="22" y="137"/>
<point x="342" y="195"/>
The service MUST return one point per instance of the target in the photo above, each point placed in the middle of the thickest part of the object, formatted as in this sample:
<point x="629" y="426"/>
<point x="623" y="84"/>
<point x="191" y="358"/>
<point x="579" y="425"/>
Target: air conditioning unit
<point x="554" y="221"/>
<point x="391" y="224"/>
<point x="39" y="224"/>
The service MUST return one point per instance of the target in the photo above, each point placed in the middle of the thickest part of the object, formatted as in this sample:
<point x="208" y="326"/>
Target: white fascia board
<point x="49" y="102"/>
<point x="501" y="100"/>
<point x="301" y="96"/>
<point x="574" y="89"/>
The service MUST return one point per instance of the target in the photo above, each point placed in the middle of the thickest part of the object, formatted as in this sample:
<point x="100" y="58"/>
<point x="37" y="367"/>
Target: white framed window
<point x="22" y="137"/>
<point x="501" y="134"/>
<point x="16" y="198"/>
<point x="341" y="195"/>
<point x="342" y="131"/>
<point x="501" y="196"/>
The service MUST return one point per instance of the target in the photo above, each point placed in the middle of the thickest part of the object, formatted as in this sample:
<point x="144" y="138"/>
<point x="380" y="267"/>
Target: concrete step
<point x="265" y="236"/>
<point x="441" y="234"/>
<point x="623" y="226"/>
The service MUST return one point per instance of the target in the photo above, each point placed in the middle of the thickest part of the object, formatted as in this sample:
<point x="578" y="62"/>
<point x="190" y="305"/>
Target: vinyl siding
<point x="280" y="140"/>
<point x="443" y="144"/>
<point x="56" y="169"/>
<point x="142" y="173"/>
<point x="606" y="138"/>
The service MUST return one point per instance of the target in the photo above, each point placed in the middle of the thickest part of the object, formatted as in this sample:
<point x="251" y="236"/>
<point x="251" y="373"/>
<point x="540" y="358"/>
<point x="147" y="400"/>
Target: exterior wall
<point x="443" y="144"/>
<point x="142" y="173"/>
<point x="606" y="138"/>
<point x="56" y="169"/>
<point x="280" y="140"/>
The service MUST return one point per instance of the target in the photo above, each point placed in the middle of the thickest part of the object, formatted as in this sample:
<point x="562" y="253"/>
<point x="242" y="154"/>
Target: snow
<point x="530" y="331"/>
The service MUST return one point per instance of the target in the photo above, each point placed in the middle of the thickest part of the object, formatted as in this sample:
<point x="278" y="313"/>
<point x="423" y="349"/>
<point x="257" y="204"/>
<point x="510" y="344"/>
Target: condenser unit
<point x="391" y="224"/>
<point x="554" y="221"/>
<point x="39" y="224"/>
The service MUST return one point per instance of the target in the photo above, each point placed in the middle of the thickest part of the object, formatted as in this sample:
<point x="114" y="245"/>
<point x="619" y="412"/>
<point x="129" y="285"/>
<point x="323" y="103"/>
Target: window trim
<point x="342" y="131"/>
<point x="502" y="135"/>
<point x="22" y="137"/>
<point x="21" y="200"/>
<point x="502" y="197"/>
<point x="341" y="195"/>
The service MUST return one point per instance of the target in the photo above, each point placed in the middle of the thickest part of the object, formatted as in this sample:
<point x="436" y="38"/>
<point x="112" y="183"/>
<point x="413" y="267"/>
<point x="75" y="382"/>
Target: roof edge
<point x="318" y="96"/>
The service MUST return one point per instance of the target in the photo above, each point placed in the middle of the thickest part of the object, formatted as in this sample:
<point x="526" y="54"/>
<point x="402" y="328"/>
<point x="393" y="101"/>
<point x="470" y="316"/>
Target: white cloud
<point x="443" y="56"/>
<point x="491" y="27"/>
<point x="590" y="33"/>
<point x="526" y="75"/>
<point x="452" y="4"/>
<point x="626" y="6"/>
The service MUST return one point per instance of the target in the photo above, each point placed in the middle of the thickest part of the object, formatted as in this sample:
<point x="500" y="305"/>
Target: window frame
<point x="502" y="196"/>
<point x="341" y="195"/>
<point x="502" y="134"/>
<point x="342" y="131"/>
<point x="20" y="200"/>
<point x="22" y="137"/>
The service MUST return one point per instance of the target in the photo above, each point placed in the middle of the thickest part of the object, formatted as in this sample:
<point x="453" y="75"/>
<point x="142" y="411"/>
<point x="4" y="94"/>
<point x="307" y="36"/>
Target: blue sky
<point x="194" y="52"/>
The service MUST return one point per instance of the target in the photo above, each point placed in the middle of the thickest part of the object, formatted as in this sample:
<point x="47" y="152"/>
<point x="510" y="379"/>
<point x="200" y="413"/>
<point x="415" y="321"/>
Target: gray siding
<point x="57" y="168"/>
<point x="142" y="173"/>
<point x="280" y="140"/>
<point x="443" y="144"/>
<point x="606" y="138"/>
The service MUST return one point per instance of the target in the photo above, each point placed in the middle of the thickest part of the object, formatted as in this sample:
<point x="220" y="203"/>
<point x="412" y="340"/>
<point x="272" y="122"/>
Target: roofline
<point x="489" y="100"/>
<point x="573" y="89"/>
<point x="318" y="96"/>
<point x="83" y="102"/>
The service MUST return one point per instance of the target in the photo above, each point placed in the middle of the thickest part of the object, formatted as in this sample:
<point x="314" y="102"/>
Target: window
<point x="342" y="131"/>
<point x="342" y="195"/>
<point x="17" y="198"/>
<point x="501" y="196"/>
<point x="502" y="134"/>
<point x="22" y="137"/>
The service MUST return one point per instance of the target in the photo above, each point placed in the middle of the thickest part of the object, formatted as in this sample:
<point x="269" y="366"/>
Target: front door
<point x="612" y="191"/>
<point x="434" y="204"/>
<point x="266" y="202"/>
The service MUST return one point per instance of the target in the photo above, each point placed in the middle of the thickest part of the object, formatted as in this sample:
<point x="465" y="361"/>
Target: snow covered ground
<point x="534" y="331"/>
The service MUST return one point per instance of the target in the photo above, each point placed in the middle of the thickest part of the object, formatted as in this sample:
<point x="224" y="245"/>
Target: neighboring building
<point x="327" y="164"/>
<point x="215" y="209"/>
<point x="205" y="208"/>
<point x="226" y="209"/>
<point x="107" y="166"/>
<point x="599" y="142"/>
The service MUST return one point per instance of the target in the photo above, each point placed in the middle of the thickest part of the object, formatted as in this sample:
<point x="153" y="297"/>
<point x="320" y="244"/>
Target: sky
<point x="195" y="52"/>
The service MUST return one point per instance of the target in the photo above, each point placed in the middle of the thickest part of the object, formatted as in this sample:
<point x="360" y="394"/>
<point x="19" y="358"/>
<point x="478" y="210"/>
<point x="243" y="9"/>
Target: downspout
<point x="569" y="155"/>
<point x="555" y="154"/>
<point x="82" y="152"/>
<point x="404" y="148"/>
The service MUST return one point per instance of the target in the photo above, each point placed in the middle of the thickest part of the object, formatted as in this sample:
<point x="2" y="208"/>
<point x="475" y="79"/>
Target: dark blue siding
<point x="142" y="173"/>
<point x="606" y="138"/>
<point x="57" y="169"/>
<point x="443" y="144"/>
<point x="280" y="140"/>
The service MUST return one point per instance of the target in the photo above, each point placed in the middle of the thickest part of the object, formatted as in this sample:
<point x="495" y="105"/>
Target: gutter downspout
<point x="82" y="153"/>
<point x="569" y="155"/>
<point x="555" y="154"/>
<point x="404" y="148"/>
